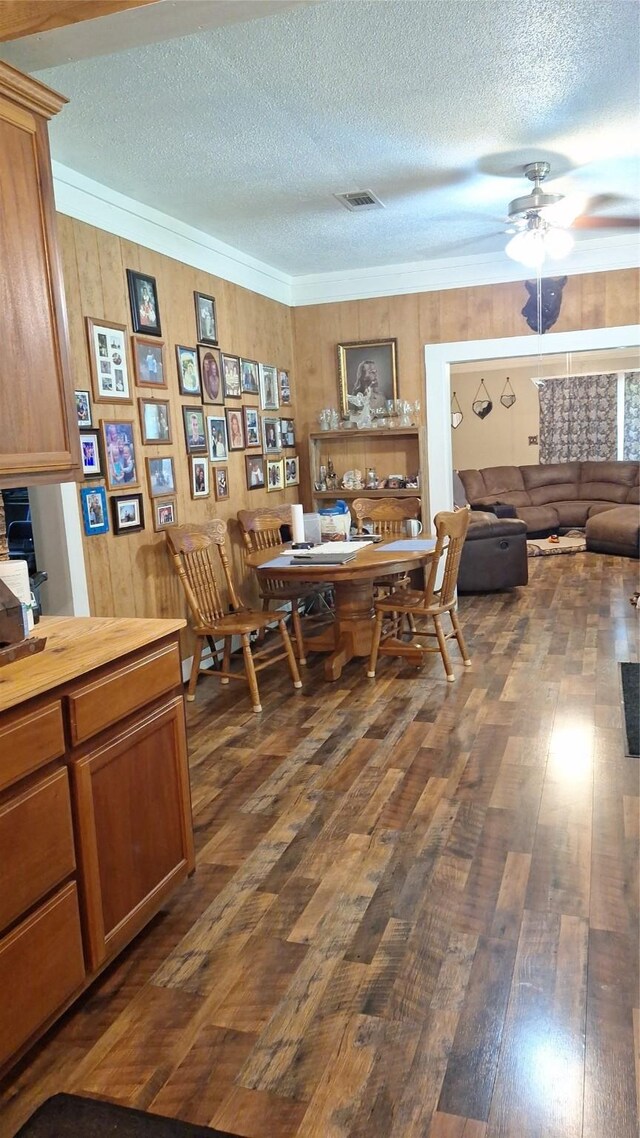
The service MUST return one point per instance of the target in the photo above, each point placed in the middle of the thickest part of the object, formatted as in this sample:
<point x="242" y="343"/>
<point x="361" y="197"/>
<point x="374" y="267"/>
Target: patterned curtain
<point x="578" y="418"/>
<point x="631" y="441"/>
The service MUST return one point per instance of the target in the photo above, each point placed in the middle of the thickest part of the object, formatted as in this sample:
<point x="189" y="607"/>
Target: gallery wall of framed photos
<point x="170" y="415"/>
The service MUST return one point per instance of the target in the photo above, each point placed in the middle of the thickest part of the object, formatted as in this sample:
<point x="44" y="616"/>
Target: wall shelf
<point x="333" y="495"/>
<point x="369" y="433"/>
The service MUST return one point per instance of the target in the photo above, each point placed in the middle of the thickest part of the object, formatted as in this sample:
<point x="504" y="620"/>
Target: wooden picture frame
<point x="271" y="435"/>
<point x="231" y="376"/>
<point x="83" y="409"/>
<point x="149" y="365"/>
<point x="108" y="361"/>
<point x="94" y="510"/>
<point x="143" y="298"/>
<point x="164" y="513"/>
<point x="155" y="421"/>
<point x="161" y="477"/>
<point x="275" y="475"/>
<point x="249" y="377"/>
<point x="210" y="363"/>
<point x="206" y="323"/>
<point x="367" y="369"/>
<point x="235" y="428"/>
<point x="221" y="482"/>
<point x="292" y="470"/>
<point x="92" y="453"/>
<point x="200" y="487"/>
<point x="121" y="467"/>
<point x="252" y="428"/>
<point x="194" y="430"/>
<point x="127" y="513"/>
<point x="188" y="370"/>
<point x="254" y="471"/>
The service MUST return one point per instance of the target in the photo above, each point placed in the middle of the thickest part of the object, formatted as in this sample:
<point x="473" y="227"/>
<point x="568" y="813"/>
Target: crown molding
<point x="96" y="204"/>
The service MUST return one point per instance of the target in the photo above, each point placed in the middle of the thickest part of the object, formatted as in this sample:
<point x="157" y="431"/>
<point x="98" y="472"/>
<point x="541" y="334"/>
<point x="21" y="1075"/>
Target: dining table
<point x="350" y="633"/>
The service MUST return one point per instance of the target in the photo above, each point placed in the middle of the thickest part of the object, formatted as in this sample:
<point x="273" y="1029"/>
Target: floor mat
<point x="631" y="697"/>
<point x="70" y="1116"/>
<point x="542" y="547"/>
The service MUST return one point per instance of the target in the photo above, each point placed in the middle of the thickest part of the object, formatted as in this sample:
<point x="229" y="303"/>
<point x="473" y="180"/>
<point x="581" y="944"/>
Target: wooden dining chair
<point x="261" y="530"/>
<point x="194" y="550"/>
<point x="425" y="607"/>
<point x="387" y="517"/>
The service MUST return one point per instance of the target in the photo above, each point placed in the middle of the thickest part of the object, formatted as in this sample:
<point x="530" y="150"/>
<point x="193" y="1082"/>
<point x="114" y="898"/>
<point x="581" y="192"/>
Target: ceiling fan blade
<point x="589" y="222"/>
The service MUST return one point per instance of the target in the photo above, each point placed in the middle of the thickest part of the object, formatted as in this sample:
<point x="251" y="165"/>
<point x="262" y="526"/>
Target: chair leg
<point x="195" y="668"/>
<point x="226" y="659"/>
<point x="250" y="673"/>
<point x="442" y="644"/>
<point x="373" y="659"/>
<point x="466" y="659"/>
<point x="293" y="667"/>
<point x="297" y="632"/>
<point x="265" y="608"/>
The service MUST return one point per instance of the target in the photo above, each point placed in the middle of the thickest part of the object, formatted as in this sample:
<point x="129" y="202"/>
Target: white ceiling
<point x="247" y="126"/>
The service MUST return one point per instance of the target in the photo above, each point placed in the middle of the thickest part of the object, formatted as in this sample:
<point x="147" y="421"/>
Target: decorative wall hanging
<point x="456" y="412"/>
<point x="543" y="308"/>
<point x="367" y="372"/>
<point x="508" y="396"/>
<point x="483" y="403"/>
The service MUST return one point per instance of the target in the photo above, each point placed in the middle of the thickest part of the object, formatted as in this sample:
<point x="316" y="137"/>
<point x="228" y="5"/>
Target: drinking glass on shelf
<point x="416" y="413"/>
<point x="334" y="419"/>
<point x="324" y="418"/>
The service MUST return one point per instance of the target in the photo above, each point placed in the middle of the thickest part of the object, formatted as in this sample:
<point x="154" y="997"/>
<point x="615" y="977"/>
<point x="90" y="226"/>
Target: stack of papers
<point x="329" y="552"/>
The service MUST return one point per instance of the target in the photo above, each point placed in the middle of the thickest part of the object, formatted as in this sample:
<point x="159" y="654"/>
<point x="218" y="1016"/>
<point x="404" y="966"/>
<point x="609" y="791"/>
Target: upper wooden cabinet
<point x="38" y="436"/>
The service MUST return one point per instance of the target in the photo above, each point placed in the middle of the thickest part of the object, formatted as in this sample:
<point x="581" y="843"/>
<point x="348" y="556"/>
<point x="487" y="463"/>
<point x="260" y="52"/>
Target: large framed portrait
<point x="143" y="297"/>
<point x="108" y="359"/>
<point x="367" y="373"/>
<point x="148" y="362"/>
<point x="211" y="375"/>
<point x="206" y="323"/>
<point x="120" y="455"/>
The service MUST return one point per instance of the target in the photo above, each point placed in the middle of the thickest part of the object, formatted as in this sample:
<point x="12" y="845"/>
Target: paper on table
<point x="408" y="545"/>
<point x="284" y="560"/>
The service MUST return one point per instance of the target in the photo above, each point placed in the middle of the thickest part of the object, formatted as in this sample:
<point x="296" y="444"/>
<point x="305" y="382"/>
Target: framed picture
<point x="211" y="375"/>
<point x="292" y="471"/>
<point x="161" y="477"/>
<point x="155" y="421"/>
<point x="206" y="325"/>
<point x="194" y="435"/>
<point x="268" y="388"/>
<point x="92" y="464"/>
<point x="275" y="474"/>
<point x="288" y="432"/>
<point x="271" y="438"/>
<point x="249" y="378"/>
<point x="367" y="372"/>
<point x="143" y="298"/>
<point x="83" y="409"/>
<point x="164" y="513"/>
<point x="255" y="471"/>
<point x="217" y="438"/>
<point x="127" y="513"/>
<point x="235" y="428"/>
<point x="108" y="360"/>
<point x="284" y="387"/>
<point x="251" y="426"/>
<point x="148" y="362"/>
<point x="221" y="479"/>
<point x="94" y="510"/>
<point x="188" y="374"/>
<point x="231" y="376"/>
<point x="120" y="454"/>
<point x="200" y="477"/>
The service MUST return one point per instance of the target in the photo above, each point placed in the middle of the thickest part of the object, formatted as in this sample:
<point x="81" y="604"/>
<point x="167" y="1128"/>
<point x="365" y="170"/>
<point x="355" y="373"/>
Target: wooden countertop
<point x="76" y="645"/>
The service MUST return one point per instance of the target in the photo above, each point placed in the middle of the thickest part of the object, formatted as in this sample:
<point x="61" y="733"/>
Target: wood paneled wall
<point x="593" y="300"/>
<point x="130" y="574"/>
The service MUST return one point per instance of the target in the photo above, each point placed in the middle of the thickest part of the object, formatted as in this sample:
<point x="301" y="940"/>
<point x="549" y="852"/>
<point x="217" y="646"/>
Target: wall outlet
<point x="533" y="440"/>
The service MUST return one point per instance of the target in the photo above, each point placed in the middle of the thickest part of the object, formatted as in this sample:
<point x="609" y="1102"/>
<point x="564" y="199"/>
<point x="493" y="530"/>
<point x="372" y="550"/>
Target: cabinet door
<point x="134" y="826"/>
<point x="38" y="440"/>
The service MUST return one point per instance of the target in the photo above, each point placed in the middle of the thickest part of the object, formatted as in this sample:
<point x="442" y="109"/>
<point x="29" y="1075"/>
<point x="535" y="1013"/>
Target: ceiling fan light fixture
<point x="538" y="241"/>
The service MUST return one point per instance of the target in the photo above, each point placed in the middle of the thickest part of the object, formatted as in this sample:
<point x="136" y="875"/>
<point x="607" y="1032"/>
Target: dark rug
<point x="631" y="697"/>
<point x="68" y="1116"/>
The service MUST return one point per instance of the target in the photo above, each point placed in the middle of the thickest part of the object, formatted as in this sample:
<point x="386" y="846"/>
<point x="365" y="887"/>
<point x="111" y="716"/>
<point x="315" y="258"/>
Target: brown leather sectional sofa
<point x="566" y="494"/>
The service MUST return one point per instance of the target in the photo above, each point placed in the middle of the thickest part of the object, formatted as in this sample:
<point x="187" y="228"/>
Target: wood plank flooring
<point x="415" y="913"/>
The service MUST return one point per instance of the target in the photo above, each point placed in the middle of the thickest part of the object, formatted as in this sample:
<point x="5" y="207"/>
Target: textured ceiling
<point x="247" y="130"/>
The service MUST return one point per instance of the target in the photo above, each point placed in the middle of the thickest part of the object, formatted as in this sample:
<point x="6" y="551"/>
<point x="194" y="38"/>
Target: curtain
<point x="631" y="439"/>
<point x="578" y="418"/>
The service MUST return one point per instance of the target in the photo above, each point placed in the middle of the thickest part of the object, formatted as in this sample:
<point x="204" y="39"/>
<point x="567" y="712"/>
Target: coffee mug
<point x="413" y="528"/>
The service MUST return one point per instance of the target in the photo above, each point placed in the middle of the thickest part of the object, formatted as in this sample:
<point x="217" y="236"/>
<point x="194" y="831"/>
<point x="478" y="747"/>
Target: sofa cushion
<point x="473" y="483"/>
<point x="539" y="517"/>
<point x="607" y="481"/>
<point x="573" y="513"/>
<point x="615" y="531"/>
<point x="556" y="482"/>
<point x="503" y="480"/>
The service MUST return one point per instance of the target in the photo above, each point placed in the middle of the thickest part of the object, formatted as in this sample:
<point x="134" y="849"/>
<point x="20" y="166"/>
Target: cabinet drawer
<point x="118" y="692"/>
<point x="41" y="966"/>
<point x="36" y="844"/>
<point x="28" y="740"/>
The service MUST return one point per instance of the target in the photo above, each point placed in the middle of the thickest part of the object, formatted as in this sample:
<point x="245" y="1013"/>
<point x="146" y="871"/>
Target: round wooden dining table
<point x="351" y="632"/>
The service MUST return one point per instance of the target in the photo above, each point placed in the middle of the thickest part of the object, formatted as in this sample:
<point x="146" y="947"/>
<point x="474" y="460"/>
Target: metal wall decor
<point x="508" y="396"/>
<point x="483" y="403"/>
<point x="456" y="412"/>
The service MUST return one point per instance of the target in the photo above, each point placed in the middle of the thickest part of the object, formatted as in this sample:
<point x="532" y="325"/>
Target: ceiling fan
<point x="541" y="219"/>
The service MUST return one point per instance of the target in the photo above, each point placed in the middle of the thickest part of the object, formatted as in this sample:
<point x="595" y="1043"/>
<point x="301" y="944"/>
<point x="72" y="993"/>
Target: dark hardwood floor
<point x="415" y="911"/>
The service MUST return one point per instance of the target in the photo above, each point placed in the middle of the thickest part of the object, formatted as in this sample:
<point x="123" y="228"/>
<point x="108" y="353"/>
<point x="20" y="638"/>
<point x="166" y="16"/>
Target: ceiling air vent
<point x="359" y="200"/>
